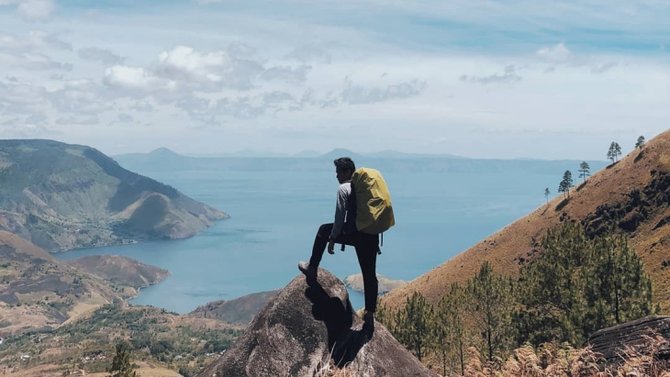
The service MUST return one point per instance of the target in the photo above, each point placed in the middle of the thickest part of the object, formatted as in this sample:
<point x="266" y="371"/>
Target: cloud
<point x="287" y="74"/>
<point x="558" y="53"/>
<point x="99" y="54"/>
<point x="35" y="40"/>
<point x="509" y="76"/>
<point x="135" y="78"/>
<point x="366" y="94"/>
<point x="32" y="10"/>
<point x="32" y="61"/>
<point x="212" y="70"/>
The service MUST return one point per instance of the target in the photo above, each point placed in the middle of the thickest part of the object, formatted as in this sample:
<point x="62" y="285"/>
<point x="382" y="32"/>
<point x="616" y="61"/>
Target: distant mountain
<point x="341" y="152"/>
<point x="631" y="196"/>
<point x="396" y="154"/>
<point x="63" y="196"/>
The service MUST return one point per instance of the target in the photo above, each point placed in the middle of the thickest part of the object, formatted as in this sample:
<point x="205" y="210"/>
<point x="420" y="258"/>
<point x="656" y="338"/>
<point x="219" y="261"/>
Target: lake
<point x="442" y="207"/>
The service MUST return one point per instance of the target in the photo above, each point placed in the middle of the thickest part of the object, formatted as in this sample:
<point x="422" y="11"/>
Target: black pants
<point x="366" y="246"/>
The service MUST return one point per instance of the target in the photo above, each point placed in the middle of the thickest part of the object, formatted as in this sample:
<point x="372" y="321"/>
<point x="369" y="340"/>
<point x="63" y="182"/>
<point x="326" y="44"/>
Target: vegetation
<point x="640" y="142"/>
<point x="566" y="183"/>
<point x="152" y="335"/>
<point x="546" y="194"/>
<point x="574" y="286"/>
<point x="584" y="170"/>
<point x="614" y="152"/>
<point x="121" y="364"/>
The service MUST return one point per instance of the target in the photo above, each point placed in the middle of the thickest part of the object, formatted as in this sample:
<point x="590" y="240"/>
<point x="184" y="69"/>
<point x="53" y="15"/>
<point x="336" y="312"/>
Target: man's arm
<point x="340" y="210"/>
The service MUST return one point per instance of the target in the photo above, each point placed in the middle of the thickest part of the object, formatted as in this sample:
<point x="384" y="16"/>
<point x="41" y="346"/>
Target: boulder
<point x="309" y="326"/>
<point x="645" y="336"/>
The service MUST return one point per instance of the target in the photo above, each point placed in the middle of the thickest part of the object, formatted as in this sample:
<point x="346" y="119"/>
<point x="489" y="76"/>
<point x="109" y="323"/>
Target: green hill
<point x="63" y="196"/>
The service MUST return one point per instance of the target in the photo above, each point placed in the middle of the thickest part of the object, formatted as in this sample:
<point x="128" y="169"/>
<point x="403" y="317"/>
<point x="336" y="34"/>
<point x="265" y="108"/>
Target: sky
<point x="481" y="79"/>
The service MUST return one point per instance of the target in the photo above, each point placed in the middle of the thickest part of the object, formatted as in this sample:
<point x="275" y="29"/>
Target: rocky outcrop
<point x="62" y="196"/>
<point x="309" y="326"/>
<point x="646" y="336"/>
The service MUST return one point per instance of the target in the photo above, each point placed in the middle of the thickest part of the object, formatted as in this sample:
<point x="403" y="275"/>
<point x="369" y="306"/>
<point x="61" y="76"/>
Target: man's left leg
<point x="366" y="251"/>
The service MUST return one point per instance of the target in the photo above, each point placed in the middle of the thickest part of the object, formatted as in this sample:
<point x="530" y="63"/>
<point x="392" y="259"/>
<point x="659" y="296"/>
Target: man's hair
<point x="344" y="163"/>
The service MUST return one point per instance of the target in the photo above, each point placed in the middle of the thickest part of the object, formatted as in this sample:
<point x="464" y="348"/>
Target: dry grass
<point x="552" y="360"/>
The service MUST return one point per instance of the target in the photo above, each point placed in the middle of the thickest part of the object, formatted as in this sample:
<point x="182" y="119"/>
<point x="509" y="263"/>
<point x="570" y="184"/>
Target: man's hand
<point x="331" y="247"/>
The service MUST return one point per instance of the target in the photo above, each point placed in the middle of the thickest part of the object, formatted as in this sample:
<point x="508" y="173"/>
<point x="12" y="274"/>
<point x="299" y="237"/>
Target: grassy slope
<point x="505" y="248"/>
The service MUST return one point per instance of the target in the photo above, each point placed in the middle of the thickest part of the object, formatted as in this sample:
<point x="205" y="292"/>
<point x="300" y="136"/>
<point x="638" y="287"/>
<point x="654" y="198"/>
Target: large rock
<point x="309" y="325"/>
<point x="645" y="336"/>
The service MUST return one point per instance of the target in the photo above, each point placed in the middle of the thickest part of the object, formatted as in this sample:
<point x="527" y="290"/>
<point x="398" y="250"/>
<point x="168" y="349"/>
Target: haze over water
<point x="442" y="207"/>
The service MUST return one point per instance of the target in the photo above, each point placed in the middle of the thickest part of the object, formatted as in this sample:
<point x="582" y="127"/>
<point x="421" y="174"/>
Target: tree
<point x="577" y="285"/>
<point x="566" y="183"/>
<point x="121" y="365"/>
<point x="411" y="324"/>
<point x="614" y="152"/>
<point x="449" y="330"/>
<point x="584" y="170"/>
<point x="546" y="194"/>
<point x="640" y="142"/>
<point x="491" y="306"/>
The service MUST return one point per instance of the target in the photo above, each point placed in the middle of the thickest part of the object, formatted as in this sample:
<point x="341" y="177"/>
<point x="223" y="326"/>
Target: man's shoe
<point x="307" y="270"/>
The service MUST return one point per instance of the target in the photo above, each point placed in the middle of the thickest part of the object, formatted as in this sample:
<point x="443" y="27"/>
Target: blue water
<point x="276" y="207"/>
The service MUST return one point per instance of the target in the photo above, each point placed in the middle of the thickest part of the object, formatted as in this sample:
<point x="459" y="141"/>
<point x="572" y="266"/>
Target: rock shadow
<point x="343" y="341"/>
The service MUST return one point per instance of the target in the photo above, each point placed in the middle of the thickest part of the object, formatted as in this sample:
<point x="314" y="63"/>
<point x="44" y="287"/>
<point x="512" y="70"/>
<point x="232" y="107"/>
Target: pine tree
<point x="640" y="142"/>
<point x="121" y="365"/>
<point x="584" y="170"/>
<point x="546" y="194"/>
<point x="578" y="285"/>
<point x="566" y="183"/>
<point x="449" y="330"/>
<point x="614" y="152"/>
<point x="411" y="324"/>
<point x="491" y="306"/>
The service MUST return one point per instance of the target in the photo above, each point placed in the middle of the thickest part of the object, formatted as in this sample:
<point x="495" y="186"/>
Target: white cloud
<point x="32" y="10"/>
<point x="212" y="70"/>
<point x="558" y="53"/>
<point x="135" y="78"/>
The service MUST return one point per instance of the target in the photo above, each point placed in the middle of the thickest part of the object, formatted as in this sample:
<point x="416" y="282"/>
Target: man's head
<point x="344" y="167"/>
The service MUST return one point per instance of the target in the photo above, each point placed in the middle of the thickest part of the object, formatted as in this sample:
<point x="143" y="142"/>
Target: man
<point x="343" y="231"/>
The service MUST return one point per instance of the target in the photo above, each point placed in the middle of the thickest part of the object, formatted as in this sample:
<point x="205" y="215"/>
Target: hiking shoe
<point x="307" y="270"/>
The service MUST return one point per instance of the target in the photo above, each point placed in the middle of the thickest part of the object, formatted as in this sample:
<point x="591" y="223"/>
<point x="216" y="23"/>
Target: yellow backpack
<point x="374" y="213"/>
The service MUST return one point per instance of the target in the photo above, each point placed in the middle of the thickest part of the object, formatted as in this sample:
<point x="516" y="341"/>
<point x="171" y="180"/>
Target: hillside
<point x="63" y="196"/>
<point x="238" y="311"/>
<point x="38" y="291"/>
<point x="633" y="195"/>
<point x="120" y="270"/>
<point x="162" y="343"/>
